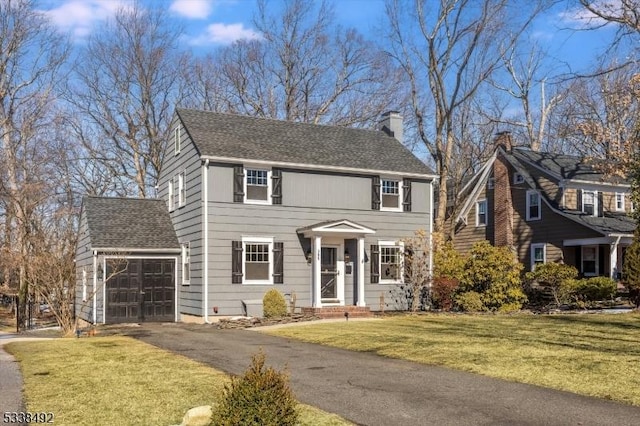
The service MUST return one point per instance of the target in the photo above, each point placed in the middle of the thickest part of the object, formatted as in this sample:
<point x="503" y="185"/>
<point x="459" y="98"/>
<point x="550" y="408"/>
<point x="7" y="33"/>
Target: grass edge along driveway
<point x="588" y="354"/>
<point x="121" y="381"/>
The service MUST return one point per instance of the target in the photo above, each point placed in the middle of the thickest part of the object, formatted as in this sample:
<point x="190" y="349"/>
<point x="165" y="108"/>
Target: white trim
<point x="622" y="199"/>
<point x="533" y="248"/>
<point x="84" y="284"/>
<point x="361" y="298"/>
<point x="430" y="233"/>
<point x="316" y="167"/>
<point x="176" y="191"/>
<point x="391" y="244"/>
<point x="528" y="205"/>
<point x="399" y="182"/>
<point x="486" y="212"/>
<point x="205" y="231"/>
<point x="518" y="178"/>
<point x="135" y="250"/>
<point x="316" y="272"/>
<point x="95" y="288"/>
<point x="332" y="229"/>
<point x="258" y="240"/>
<point x="245" y="185"/>
<point x="595" y="201"/>
<point x="170" y="200"/>
<point x="182" y="189"/>
<point x="469" y="202"/>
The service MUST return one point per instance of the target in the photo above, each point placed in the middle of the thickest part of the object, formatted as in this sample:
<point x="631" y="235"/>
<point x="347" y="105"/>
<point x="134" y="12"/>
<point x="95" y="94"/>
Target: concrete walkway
<point x="371" y="390"/>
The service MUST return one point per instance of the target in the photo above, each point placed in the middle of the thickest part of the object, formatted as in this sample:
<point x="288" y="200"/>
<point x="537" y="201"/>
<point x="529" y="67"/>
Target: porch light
<point x="347" y="256"/>
<point x="309" y="255"/>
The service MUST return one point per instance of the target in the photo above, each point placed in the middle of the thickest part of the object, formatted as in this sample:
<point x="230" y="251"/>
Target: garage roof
<point x="129" y="224"/>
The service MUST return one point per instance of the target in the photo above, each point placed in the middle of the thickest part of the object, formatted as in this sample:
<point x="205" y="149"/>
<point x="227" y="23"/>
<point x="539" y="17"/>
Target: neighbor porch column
<point x="613" y="258"/>
<point x="361" y="301"/>
<point x="316" y="279"/>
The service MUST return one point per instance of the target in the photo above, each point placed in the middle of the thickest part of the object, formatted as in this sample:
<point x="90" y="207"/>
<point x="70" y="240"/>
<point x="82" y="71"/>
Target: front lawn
<point x="596" y="355"/>
<point x="120" y="381"/>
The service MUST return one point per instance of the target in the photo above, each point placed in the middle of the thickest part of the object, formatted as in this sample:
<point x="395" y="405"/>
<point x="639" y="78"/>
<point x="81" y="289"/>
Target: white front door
<point x="331" y="276"/>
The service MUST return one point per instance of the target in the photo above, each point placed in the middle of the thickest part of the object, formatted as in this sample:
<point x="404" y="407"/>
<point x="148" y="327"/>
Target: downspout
<point x="205" y="225"/>
<point x="95" y="287"/>
<point x="431" y="234"/>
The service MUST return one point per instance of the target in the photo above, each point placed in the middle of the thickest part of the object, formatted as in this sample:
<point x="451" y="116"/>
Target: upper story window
<point x="391" y="196"/>
<point x="518" y="178"/>
<point x="186" y="263"/>
<point x="170" y="199"/>
<point x="534" y="211"/>
<point x="176" y="139"/>
<point x="589" y="200"/>
<point x="257" y="186"/>
<point x="620" y="202"/>
<point x="182" y="190"/>
<point x="481" y="213"/>
<point x="538" y="254"/>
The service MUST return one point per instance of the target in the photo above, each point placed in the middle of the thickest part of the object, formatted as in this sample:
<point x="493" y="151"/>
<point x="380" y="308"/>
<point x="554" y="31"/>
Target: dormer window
<point x="620" y="202"/>
<point x="533" y="205"/>
<point x="176" y="139"/>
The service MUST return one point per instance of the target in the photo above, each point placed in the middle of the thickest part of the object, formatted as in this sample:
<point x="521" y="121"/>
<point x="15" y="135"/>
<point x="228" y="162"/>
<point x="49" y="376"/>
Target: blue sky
<point x="212" y="23"/>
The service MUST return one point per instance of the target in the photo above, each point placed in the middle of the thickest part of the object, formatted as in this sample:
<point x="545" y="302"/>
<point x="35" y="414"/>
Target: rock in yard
<point x="198" y="416"/>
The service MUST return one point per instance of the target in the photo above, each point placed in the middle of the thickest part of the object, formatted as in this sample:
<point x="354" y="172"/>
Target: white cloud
<point x="192" y="9"/>
<point x="224" y="34"/>
<point x="581" y="18"/>
<point x="79" y="17"/>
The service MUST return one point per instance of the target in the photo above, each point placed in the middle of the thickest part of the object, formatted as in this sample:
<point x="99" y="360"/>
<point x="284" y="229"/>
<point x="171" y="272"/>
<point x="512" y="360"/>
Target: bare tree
<point x="31" y="56"/>
<point x="127" y="82"/>
<point x="303" y="68"/>
<point x="448" y="49"/>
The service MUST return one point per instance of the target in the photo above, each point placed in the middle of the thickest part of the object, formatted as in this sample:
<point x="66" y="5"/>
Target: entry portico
<point x="329" y="255"/>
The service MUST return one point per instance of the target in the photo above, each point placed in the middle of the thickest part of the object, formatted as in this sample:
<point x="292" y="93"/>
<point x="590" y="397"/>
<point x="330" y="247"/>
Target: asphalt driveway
<point x="371" y="390"/>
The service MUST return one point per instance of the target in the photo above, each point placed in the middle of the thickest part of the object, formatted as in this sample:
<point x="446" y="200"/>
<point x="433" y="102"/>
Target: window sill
<point x="259" y="202"/>
<point x="390" y="282"/>
<point x="257" y="282"/>
<point x="390" y="209"/>
<point x="533" y="219"/>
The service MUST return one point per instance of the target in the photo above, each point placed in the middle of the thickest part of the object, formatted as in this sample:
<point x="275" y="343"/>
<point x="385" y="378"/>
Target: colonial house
<point x="549" y="208"/>
<point x="249" y="204"/>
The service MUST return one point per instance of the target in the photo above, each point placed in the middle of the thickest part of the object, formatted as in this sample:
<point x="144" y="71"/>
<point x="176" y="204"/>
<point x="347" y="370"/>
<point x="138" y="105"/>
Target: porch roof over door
<point x="342" y="228"/>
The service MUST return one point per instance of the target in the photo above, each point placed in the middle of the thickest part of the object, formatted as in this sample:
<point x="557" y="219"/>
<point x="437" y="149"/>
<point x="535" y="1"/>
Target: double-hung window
<point x="257" y="186"/>
<point x="176" y="140"/>
<point x="391" y="270"/>
<point x="589" y="200"/>
<point x="186" y="263"/>
<point x="620" y="202"/>
<point x="182" y="190"/>
<point x="170" y="199"/>
<point x="533" y="205"/>
<point x="538" y="254"/>
<point x="391" y="194"/>
<point x="590" y="261"/>
<point x="257" y="260"/>
<point x="481" y="213"/>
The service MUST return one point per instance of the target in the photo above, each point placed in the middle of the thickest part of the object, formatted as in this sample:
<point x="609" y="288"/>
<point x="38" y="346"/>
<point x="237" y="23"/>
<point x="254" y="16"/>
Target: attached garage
<point x="143" y="292"/>
<point x="127" y="262"/>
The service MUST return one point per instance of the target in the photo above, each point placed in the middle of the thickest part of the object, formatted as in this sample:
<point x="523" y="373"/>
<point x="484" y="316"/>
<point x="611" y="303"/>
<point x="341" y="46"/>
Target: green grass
<point x="121" y="381"/>
<point x="596" y="355"/>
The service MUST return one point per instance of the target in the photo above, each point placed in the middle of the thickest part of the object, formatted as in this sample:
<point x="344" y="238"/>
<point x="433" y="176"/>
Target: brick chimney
<point x="503" y="140"/>
<point x="391" y="124"/>
<point x="502" y="202"/>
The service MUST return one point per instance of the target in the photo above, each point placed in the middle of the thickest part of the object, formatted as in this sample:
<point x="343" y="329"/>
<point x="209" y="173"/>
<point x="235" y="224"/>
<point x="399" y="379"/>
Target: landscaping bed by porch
<point x="589" y="354"/>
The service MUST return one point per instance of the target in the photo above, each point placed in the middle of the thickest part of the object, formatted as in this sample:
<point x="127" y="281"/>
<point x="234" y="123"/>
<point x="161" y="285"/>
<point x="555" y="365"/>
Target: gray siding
<point x="187" y="220"/>
<point x="230" y="222"/>
<point x="321" y="190"/>
<point x="84" y="262"/>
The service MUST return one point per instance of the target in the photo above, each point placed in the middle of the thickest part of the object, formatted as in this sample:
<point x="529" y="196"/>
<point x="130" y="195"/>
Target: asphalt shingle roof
<point x="129" y="223"/>
<point x="611" y="223"/>
<point x="568" y="167"/>
<point x="251" y="138"/>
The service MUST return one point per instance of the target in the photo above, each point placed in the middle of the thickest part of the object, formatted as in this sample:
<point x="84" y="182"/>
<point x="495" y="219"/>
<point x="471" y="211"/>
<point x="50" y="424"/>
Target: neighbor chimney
<point x="391" y="124"/>
<point x="503" y="203"/>
<point x="504" y="140"/>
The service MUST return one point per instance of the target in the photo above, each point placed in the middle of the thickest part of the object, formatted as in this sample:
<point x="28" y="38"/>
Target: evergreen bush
<point x="555" y="277"/>
<point x="273" y="304"/>
<point x="631" y="269"/>
<point x="260" y="397"/>
<point x="470" y="301"/>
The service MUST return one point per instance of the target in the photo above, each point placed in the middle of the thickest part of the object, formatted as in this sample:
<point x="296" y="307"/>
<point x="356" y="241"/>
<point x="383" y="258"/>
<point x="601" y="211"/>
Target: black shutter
<point x="375" y="263"/>
<point x="278" y="252"/>
<point x="579" y="191"/>
<point x="579" y="259"/>
<point x="375" y="193"/>
<point x="601" y="259"/>
<point x="406" y="195"/>
<point x="236" y="262"/>
<point x="238" y="184"/>
<point x="600" y="204"/>
<point x="276" y="186"/>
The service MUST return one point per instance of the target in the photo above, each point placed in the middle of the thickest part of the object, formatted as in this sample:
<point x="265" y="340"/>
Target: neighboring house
<point x="318" y="212"/>
<point x="549" y="208"/>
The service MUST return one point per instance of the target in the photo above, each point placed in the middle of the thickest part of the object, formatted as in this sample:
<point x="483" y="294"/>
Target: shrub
<point x="274" y="304"/>
<point x="631" y="269"/>
<point x="554" y="276"/>
<point x="259" y="397"/>
<point x="493" y="273"/>
<point x="442" y="292"/>
<point x="594" y="289"/>
<point x="447" y="262"/>
<point x="470" y="301"/>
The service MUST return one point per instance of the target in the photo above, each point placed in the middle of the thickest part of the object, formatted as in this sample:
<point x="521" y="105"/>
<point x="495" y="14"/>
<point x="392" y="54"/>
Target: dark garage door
<point x="144" y="292"/>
